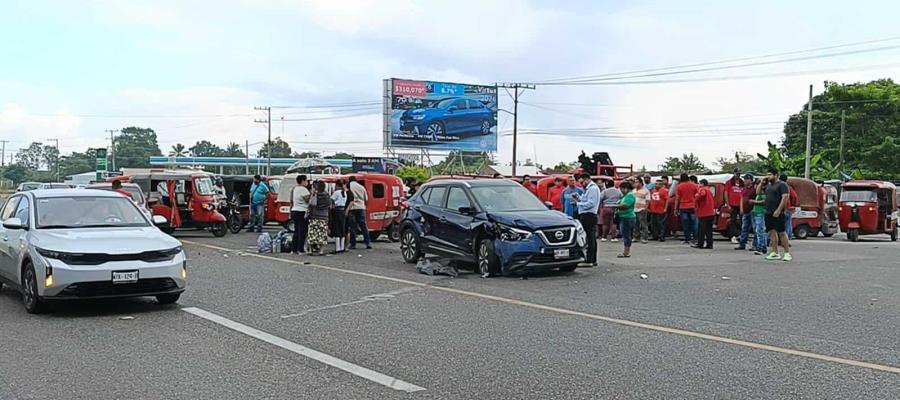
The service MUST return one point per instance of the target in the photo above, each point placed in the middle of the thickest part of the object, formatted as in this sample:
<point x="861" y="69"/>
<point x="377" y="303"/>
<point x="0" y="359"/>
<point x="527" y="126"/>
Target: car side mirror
<point x="466" y="210"/>
<point x="159" y="220"/>
<point x="13" y="223"/>
<point x="549" y="205"/>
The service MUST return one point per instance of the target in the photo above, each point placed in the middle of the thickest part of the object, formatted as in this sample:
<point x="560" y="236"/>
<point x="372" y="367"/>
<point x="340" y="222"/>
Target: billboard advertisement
<point x="440" y="115"/>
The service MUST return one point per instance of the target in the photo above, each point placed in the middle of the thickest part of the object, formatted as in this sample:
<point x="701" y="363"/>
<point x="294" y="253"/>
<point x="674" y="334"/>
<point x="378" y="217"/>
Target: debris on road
<point x="434" y="266"/>
<point x="726" y="278"/>
<point x="644" y="276"/>
<point x="126" y="318"/>
<point x="225" y="255"/>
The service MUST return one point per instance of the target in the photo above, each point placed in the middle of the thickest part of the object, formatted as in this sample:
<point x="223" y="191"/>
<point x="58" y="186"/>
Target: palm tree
<point x="178" y="150"/>
<point x="233" y="150"/>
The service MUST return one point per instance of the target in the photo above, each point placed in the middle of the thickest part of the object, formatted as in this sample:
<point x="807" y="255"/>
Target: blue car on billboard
<point x="448" y="118"/>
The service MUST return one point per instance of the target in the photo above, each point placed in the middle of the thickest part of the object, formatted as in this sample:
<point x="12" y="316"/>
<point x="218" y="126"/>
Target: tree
<point x="17" y="173"/>
<point x="31" y="157"/>
<point x="178" y="150"/>
<point x="77" y="163"/>
<point x="50" y="158"/>
<point x="872" y="116"/>
<point x="416" y="173"/>
<point x="687" y="163"/>
<point x="134" y="146"/>
<point x="205" y="148"/>
<point x="340" y="156"/>
<point x="280" y="149"/>
<point x="745" y="161"/>
<point x="308" y="154"/>
<point x="233" y="150"/>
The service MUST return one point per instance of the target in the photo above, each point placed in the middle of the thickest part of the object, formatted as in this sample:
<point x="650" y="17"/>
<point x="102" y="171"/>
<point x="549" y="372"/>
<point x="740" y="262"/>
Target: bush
<point x="416" y="173"/>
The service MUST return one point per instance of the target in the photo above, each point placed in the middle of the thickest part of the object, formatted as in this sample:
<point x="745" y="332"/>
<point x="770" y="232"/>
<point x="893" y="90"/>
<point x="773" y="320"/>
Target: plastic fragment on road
<point x="434" y="266"/>
<point x="644" y="276"/>
<point x="126" y="318"/>
<point x="726" y="278"/>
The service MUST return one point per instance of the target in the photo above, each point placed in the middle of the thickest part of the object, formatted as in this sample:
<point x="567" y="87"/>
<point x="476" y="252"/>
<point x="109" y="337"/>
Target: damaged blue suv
<point x="494" y="223"/>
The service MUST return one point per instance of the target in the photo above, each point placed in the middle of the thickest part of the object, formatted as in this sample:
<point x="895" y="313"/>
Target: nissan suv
<point x="494" y="223"/>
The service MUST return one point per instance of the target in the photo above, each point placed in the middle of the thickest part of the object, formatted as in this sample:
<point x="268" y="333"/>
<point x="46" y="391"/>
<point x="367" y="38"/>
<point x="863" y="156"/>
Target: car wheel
<point x="171" y="298"/>
<point x="487" y="263"/>
<point x="801" y="232"/>
<point x="394" y="233"/>
<point x="410" y="246"/>
<point x="168" y="230"/>
<point x="33" y="303"/>
<point x="434" y="130"/>
<point x="485" y="127"/>
<point x="219" y="229"/>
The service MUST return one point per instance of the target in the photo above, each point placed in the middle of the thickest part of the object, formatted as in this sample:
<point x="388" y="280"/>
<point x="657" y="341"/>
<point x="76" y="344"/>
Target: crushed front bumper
<point x="533" y="255"/>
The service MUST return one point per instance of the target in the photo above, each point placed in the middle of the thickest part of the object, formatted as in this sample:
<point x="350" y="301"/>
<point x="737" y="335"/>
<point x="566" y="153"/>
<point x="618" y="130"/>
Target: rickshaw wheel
<point x="894" y="234"/>
<point x="853" y="235"/>
<point x="394" y="233"/>
<point x="219" y="229"/>
<point x="801" y="232"/>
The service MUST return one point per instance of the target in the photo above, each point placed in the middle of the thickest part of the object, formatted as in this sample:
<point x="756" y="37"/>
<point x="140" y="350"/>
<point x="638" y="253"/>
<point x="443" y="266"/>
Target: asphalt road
<point x="703" y="324"/>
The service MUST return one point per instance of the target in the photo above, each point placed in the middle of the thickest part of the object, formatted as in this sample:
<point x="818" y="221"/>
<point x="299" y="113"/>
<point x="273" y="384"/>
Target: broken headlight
<point x="513" y="234"/>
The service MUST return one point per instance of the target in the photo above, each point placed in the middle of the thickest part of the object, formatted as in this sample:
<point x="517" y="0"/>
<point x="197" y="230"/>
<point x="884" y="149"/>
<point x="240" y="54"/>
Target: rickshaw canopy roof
<point x="866" y="184"/>
<point x="171" y="175"/>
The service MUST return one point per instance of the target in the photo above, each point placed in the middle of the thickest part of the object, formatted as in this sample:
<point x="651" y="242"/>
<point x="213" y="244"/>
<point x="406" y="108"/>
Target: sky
<point x="195" y="70"/>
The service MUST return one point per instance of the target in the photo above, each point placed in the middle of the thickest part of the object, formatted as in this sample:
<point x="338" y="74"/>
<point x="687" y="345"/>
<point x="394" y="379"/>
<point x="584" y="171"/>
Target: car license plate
<point x="560" y="253"/>
<point x="124" y="276"/>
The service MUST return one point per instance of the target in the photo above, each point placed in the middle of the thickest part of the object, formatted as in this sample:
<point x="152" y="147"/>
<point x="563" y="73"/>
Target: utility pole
<point x="516" y="87"/>
<point x="247" y="157"/>
<point x="843" y="118"/>
<point x="56" y="141"/>
<point x="808" y="132"/>
<point x="3" y="156"/>
<point x="112" y="148"/>
<point x="268" y="123"/>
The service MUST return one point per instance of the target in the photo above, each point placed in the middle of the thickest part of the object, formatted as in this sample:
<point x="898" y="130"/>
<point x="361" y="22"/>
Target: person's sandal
<point x="623" y="256"/>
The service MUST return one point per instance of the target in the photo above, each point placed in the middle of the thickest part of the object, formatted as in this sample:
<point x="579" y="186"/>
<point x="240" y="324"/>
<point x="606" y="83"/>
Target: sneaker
<point x="614" y="240"/>
<point x="734" y="240"/>
<point x="602" y="239"/>
<point x="758" y="252"/>
<point x="741" y="248"/>
<point x="787" y="257"/>
<point x="773" y="256"/>
<point x="643" y="240"/>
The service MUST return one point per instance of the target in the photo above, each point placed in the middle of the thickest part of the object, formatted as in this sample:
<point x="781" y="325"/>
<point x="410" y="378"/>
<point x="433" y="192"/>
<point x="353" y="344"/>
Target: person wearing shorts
<point x="776" y="203"/>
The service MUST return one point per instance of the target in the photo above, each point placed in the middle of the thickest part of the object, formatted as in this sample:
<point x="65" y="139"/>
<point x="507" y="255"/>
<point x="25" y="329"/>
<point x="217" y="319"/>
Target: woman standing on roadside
<point x="319" y="204"/>
<point x="338" y="217"/>
<point x="625" y="212"/>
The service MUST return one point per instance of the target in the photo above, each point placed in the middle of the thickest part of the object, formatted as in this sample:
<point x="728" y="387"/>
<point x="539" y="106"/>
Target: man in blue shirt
<point x="588" y="204"/>
<point x="648" y="182"/>
<point x="258" y="195"/>
<point x="567" y="200"/>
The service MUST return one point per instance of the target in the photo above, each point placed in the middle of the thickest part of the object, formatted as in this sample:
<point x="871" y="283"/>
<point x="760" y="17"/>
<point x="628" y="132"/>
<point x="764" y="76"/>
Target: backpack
<point x="264" y="243"/>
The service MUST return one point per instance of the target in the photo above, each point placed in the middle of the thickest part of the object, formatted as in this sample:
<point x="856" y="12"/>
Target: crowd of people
<point x="641" y="209"/>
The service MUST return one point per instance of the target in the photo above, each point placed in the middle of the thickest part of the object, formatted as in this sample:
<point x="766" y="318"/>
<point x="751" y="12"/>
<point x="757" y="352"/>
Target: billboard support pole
<point x="515" y="86"/>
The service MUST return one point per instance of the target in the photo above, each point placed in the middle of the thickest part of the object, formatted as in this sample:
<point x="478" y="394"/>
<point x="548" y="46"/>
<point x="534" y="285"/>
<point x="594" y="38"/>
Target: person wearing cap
<point x="748" y="192"/>
<point x="734" y="188"/>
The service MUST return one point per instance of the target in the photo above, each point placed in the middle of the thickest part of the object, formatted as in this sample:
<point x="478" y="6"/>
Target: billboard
<point x="440" y="115"/>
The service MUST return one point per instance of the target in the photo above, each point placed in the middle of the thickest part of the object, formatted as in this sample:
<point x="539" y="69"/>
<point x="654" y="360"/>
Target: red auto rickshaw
<point x="241" y="184"/>
<point x="811" y="215"/>
<point x="186" y="199"/>
<point x="868" y="208"/>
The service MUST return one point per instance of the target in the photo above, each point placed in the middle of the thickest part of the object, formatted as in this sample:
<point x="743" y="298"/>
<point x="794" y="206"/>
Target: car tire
<point x="486" y="127"/>
<point x="486" y="263"/>
<point x="801" y="232"/>
<point x="394" y="233"/>
<point x="219" y="229"/>
<point x="168" y="230"/>
<point x="30" y="298"/>
<point x="434" y="129"/>
<point x="410" y="246"/>
<point x="170" y="298"/>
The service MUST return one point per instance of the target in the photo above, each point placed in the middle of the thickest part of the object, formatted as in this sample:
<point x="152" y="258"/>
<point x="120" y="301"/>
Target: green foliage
<point x="17" y="173"/>
<point x="340" y="156"/>
<point x="31" y="157"/>
<point x="416" y="173"/>
<point x="134" y="146"/>
<point x="819" y="167"/>
<point x="178" y="150"/>
<point x="77" y="163"/>
<point x="205" y="148"/>
<point x="745" y="161"/>
<point x="234" y="150"/>
<point x="280" y="149"/>
<point x="872" y="122"/>
<point x="687" y="163"/>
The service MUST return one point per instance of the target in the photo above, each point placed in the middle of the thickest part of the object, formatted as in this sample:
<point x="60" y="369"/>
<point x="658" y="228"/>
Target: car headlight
<point x="580" y="234"/>
<point x="56" y="255"/>
<point x="513" y="234"/>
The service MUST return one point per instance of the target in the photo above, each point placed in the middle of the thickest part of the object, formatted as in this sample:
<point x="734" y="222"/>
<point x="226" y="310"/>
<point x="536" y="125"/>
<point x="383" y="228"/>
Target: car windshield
<point x="205" y="186"/>
<point x="507" y="198"/>
<point x="858" y="195"/>
<point x="87" y="212"/>
<point x="444" y="103"/>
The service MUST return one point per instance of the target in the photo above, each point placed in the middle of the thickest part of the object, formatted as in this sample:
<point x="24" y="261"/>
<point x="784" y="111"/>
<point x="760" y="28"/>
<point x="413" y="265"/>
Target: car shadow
<point x="93" y="307"/>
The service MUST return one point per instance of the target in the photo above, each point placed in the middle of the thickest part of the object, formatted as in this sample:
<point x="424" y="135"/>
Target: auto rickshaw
<point x="238" y="186"/>
<point x="811" y="215"/>
<point x="868" y="208"/>
<point x="186" y="199"/>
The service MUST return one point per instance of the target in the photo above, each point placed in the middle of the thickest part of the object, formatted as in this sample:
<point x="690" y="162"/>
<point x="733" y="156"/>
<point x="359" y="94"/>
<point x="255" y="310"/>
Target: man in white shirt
<point x="299" y="208"/>
<point x="357" y="213"/>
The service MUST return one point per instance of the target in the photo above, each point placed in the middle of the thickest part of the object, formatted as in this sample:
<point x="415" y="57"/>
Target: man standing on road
<point x="587" y="215"/>
<point x="734" y="188"/>
<point x="609" y="202"/>
<point x="684" y="206"/>
<point x="259" y="192"/>
<point x="358" y="214"/>
<point x="642" y="198"/>
<point x="568" y="201"/>
<point x="299" y="209"/>
<point x="748" y="192"/>
<point x="528" y="184"/>
<point x="706" y="213"/>
<point x="648" y="183"/>
<point x="777" y="196"/>
<point x="658" y="207"/>
<point x="556" y="194"/>
<point x="793" y="202"/>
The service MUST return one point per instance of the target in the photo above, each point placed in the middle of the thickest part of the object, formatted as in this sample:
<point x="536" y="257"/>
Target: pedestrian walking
<point x="706" y="213"/>
<point x="658" y="208"/>
<point x="319" y="204"/>
<point x="748" y="192"/>
<point x="734" y="189"/>
<point x="568" y="200"/>
<point x="609" y="199"/>
<point x="339" y="217"/>
<point x="588" y="205"/>
<point x="299" y="208"/>
<point x="358" y="214"/>
<point x="625" y="213"/>
<point x="259" y="192"/>
<point x="685" y="193"/>
<point x="776" y="202"/>
<point x="642" y="222"/>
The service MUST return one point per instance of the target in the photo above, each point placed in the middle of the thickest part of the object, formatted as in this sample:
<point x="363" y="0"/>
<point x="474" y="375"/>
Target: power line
<point x="725" y="61"/>
<point x="331" y="117"/>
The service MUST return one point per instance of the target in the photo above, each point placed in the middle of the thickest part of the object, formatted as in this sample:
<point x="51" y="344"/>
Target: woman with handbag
<point x="319" y="204"/>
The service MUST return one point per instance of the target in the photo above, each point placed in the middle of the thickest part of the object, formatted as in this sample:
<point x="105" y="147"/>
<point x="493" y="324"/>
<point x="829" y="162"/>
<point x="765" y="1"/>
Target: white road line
<point x="557" y="310"/>
<point x="354" y="369"/>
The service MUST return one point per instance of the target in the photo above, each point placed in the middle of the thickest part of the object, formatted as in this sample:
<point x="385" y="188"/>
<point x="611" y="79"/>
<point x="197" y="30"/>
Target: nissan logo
<point x="559" y="235"/>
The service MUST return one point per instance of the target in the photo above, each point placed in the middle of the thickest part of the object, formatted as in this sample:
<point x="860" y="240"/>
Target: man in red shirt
<point x="734" y="188"/>
<point x="706" y="213"/>
<point x="659" y="198"/>
<point x="556" y="194"/>
<point x="528" y="184"/>
<point x="685" y="193"/>
<point x="117" y="187"/>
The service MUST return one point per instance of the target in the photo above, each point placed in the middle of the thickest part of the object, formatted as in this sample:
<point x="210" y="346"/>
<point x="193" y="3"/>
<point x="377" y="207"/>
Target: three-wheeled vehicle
<point x="238" y="187"/>
<point x="134" y="191"/>
<point x="867" y="208"/>
<point x="186" y="199"/>
<point x="812" y="214"/>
